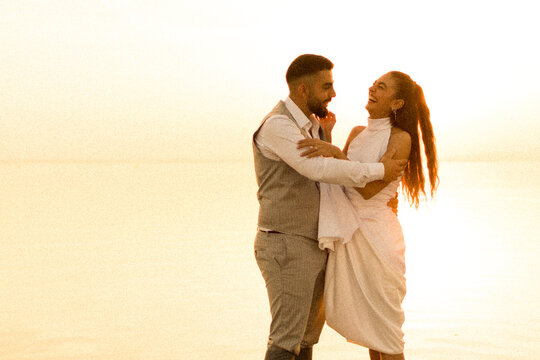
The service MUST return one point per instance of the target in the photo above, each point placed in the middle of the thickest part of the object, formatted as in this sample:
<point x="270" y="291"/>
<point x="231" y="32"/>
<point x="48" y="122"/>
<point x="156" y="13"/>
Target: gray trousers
<point x="293" y="269"/>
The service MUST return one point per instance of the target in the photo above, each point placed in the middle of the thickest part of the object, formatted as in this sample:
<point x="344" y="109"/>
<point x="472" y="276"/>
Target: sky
<point x="176" y="80"/>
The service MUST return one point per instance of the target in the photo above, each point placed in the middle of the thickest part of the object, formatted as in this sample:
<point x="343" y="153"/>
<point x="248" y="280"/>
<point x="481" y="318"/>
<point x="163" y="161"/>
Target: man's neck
<point x="301" y="105"/>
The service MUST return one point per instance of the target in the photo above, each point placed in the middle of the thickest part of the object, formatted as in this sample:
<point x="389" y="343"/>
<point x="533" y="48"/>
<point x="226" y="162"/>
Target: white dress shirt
<point x="277" y="140"/>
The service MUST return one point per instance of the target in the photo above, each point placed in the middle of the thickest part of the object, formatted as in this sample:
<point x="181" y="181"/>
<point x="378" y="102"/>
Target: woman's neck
<point x="379" y="116"/>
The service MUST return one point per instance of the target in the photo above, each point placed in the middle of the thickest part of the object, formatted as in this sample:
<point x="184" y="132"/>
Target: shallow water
<point x="155" y="261"/>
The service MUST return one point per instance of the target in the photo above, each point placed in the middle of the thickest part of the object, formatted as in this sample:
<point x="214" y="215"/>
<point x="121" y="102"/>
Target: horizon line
<point x="213" y="160"/>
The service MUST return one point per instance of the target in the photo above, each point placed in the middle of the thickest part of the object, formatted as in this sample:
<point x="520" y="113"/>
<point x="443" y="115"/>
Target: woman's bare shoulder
<point x="356" y="130"/>
<point x="400" y="140"/>
<point x="400" y="135"/>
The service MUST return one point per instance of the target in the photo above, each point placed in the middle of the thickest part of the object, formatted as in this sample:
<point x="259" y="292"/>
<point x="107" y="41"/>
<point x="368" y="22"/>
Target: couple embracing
<point x="329" y="245"/>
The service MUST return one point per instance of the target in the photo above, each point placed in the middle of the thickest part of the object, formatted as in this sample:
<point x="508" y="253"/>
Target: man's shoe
<point x="277" y="353"/>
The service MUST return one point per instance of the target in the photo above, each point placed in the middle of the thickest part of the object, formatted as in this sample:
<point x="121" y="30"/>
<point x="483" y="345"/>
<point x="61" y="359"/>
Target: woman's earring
<point x="395" y="113"/>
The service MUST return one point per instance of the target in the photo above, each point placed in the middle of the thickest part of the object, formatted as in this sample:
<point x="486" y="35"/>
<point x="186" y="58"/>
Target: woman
<point x="365" y="276"/>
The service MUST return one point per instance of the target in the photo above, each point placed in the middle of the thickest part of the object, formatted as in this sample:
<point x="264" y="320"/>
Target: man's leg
<point x="316" y="319"/>
<point x="291" y="267"/>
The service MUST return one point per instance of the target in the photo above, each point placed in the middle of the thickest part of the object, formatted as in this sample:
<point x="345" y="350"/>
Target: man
<point x="286" y="247"/>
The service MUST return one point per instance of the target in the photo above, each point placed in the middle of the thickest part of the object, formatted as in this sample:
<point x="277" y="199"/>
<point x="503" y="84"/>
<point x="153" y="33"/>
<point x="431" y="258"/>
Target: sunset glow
<point x="129" y="200"/>
<point x="134" y="80"/>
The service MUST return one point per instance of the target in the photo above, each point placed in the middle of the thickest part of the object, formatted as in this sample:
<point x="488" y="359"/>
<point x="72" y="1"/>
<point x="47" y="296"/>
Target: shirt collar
<point x="303" y="121"/>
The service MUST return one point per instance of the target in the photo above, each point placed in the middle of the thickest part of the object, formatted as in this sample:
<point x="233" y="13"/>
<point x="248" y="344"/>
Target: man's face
<point x="320" y="92"/>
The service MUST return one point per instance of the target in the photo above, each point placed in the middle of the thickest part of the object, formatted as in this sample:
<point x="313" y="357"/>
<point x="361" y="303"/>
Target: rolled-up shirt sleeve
<point x="280" y="136"/>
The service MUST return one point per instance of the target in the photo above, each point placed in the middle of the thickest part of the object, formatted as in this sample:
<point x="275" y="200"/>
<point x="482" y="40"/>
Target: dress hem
<point x="372" y="348"/>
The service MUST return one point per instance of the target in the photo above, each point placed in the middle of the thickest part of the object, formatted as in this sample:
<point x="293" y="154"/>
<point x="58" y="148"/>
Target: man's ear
<point x="397" y="104"/>
<point x="303" y="90"/>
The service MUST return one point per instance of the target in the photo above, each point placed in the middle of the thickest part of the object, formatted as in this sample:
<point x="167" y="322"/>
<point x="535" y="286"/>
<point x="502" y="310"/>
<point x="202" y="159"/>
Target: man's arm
<point x="279" y="135"/>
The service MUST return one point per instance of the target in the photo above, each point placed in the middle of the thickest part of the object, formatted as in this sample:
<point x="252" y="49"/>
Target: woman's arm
<point x="327" y="124"/>
<point x="400" y="142"/>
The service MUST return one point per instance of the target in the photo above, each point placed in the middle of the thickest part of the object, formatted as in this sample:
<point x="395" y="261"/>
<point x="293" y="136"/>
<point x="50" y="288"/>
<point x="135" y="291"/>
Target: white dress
<point x="365" y="275"/>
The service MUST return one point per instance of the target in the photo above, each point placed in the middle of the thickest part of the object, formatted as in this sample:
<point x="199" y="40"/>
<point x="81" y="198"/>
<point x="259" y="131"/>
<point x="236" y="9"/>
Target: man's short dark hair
<point x="307" y="64"/>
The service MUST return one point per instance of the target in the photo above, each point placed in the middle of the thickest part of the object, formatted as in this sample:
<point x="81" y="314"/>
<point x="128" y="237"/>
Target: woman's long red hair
<point x="413" y="117"/>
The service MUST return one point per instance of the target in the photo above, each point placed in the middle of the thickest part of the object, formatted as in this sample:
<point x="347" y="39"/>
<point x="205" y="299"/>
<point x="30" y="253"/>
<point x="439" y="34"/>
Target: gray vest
<point x="288" y="201"/>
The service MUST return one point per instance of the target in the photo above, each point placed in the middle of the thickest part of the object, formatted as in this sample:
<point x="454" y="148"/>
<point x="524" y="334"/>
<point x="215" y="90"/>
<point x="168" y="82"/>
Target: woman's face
<point x="381" y="97"/>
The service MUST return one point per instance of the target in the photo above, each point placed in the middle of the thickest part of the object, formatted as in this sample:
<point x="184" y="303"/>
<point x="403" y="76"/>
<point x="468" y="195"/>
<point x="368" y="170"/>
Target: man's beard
<point x="317" y="108"/>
